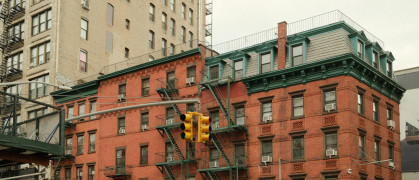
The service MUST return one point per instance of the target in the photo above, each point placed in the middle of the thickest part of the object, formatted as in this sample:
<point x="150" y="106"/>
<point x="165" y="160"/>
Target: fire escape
<point x="9" y="41"/>
<point x="166" y="163"/>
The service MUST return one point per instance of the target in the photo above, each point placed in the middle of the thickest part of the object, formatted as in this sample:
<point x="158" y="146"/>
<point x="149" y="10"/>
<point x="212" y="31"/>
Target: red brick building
<point x="319" y="103"/>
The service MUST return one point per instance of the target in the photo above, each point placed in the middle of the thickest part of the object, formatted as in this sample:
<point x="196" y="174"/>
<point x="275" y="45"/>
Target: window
<point x="144" y="118"/>
<point x="389" y="69"/>
<point x="93" y="108"/>
<point x="17" y="30"/>
<point x="41" y="22"/>
<point x="81" y="109"/>
<point x="40" y="54"/>
<point x="331" y="178"/>
<point x="190" y="39"/>
<point x="214" y="155"/>
<point x="266" y="111"/>
<point x="120" y="161"/>
<point x="121" y="125"/>
<point x="163" y="47"/>
<point x="377" y="150"/>
<point x="190" y="150"/>
<point x="38" y="90"/>
<point x="126" y="53"/>
<point x="298" y="148"/>
<point x="267" y="148"/>
<point x="80" y="144"/>
<point x="16" y="89"/>
<point x="92" y="142"/>
<point x="57" y="173"/>
<point x="163" y="21"/>
<point x="183" y="11"/>
<point x="191" y="72"/>
<point x="190" y="16"/>
<point x="331" y="141"/>
<point x="239" y="115"/>
<point x="182" y="34"/>
<point x="13" y="3"/>
<point x="37" y="113"/>
<point x="172" y="49"/>
<point x="389" y="113"/>
<point x="79" y="173"/>
<point x="109" y="14"/>
<point x="69" y="144"/>
<point x="298" y="106"/>
<point x="14" y="61"/>
<point x="145" y="87"/>
<point x="214" y="72"/>
<point x="215" y="116"/>
<point x="171" y="80"/>
<point x="70" y="111"/>
<point x="391" y="152"/>
<point x="122" y="89"/>
<point x="109" y="42"/>
<point x="360" y="49"/>
<point x="172" y="26"/>
<point x="172" y="5"/>
<point x="68" y="173"/>
<point x="375" y="107"/>
<point x="144" y="155"/>
<point x="170" y="115"/>
<point x="150" y="58"/>
<point x="151" y="12"/>
<point x="361" y="146"/>
<point x="84" y="28"/>
<point x="151" y="39"/>
<point x="169" y="151"/>
<point x="190" y="107"/>
<point x="360" y="103"/>
<point x="239" y="155"/>
<point x="297" y="55"/>
<point x="238" y="69"/>
<point x="91" y="172"/>
<point x="83" y="60"/>
<point x="265" y="63"/>
<point x="127" y="23"/>
<point x="329" y="100"/>
<point x="375" y="59"/>
<point x="164" y="2"/>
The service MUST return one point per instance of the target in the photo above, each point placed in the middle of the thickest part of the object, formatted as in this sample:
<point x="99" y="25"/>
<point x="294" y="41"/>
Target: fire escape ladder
<point x="219" y="146"/>
<point x="174" y="144"/>
<point x="213" y="175"/>
<point x="174" y="106"/>
<point x="169" y="172"/>
<point x="216" y="92"/>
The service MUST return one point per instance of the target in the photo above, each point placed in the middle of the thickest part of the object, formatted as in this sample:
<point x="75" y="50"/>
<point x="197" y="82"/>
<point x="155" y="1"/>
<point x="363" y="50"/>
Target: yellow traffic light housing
<point x="204" y="128"/>
<point x="187" y="126"/>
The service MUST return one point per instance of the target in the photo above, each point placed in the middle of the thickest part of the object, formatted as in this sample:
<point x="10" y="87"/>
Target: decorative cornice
<point x="77" y="92"/>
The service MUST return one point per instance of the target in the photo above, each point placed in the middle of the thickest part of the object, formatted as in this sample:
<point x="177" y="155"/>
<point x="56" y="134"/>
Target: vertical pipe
<point x="228" y="101"/>
<point x="15" y="99"/>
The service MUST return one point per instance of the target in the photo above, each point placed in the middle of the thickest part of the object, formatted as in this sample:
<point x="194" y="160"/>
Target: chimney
<point x="282" y="44"/>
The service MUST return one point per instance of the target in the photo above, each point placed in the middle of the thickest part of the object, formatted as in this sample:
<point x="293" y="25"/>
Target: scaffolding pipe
<point x="22" y="176"/>
<point x="158" y="103"/>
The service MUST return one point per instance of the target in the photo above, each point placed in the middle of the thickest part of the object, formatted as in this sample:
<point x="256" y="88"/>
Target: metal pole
<point x="158" y="103"/>
<point x="27" y="175"/>
<point x="228" y="101"/>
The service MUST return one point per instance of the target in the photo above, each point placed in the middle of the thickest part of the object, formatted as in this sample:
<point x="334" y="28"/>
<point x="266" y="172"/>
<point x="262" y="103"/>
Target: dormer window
<point x="359" y="49"/>
<point x="375" y="59"/>
<point x="214" y="72"/>
<point x="297" y="54"/>
<point x="265" y="63"/>
<point x="389" y="69"/>
<point x="238" y="69"/>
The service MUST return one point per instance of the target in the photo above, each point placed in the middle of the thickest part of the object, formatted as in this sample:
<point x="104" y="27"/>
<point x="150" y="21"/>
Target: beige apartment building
<point x="63" y="41"/>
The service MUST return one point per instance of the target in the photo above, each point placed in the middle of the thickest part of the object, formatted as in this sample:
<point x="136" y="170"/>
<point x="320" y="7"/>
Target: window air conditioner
<point x="144" y="127"/>
<point x="121" y="131"/>
<point x="390" y="124"/>
<point x="266" y="159"/>
<point x="391" y="164"/>
<point x="329" y="107"/>
<point x="190" y="80"/>
<point x="214" y="164"/>
<point x="170" y="121"/>
<point x="121" y="97"/>
<point x="85" y="5"/>
<point x="216" y="125"/>
<point x="267" y="119"/>
<point x="169" y="159"/>
<point x="331" y="152"/>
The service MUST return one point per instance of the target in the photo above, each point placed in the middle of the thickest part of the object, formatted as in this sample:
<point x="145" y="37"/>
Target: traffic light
<point x="204" y="128"/>
<point x="187" y="126"/>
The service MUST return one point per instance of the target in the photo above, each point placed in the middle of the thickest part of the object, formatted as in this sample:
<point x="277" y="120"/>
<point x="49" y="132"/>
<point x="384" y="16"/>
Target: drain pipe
<point x="22" y="176"/>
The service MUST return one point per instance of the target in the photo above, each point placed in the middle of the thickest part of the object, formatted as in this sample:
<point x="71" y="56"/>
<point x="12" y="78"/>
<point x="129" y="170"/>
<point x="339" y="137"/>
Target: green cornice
<point x="345" y="64"/>
<point x="297" y="38"/>
<point x="78" y="92"/>
<point x="150" y="64"/>
<point x="239" y="55"/>
<point x="265" y="47"/>
<point x="389" y="55"/>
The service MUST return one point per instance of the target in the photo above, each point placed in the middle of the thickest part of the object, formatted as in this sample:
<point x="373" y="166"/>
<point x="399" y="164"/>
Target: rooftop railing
<point x="293" y="28"/>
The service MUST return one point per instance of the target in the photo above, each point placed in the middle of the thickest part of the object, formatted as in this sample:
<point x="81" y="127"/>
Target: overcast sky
<point x="394" y="22"/>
